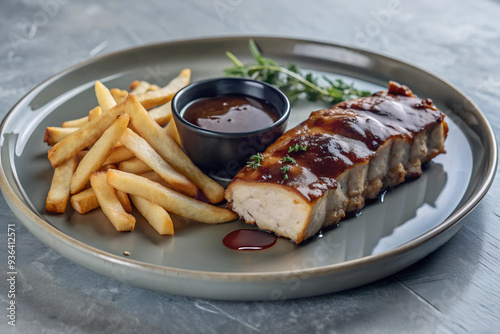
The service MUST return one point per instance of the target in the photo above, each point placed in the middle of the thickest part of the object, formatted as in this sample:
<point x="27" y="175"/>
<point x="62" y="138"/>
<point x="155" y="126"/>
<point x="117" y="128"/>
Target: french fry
<point x="104" y="167"/>
<point x="83" y="137"/>
<point x="151" y="175"/>
<point x="84" y="201"/>
<point x="118" y="94"/>
<point x="139" y="87"/>
<point x="54" y="134"/>
<point x="157" y="216"/>
<point x="166" y="147"/>
<point x="124" y="201"/>
<point x="151" y="99"/>
<point x="104" y="97"/>
<point x="76" y="123"/>
<point x="171" y="130"/>
<point x="81" y="154"/>
<point x="170" y="200"/>
<point x="117" y="155"/>
<point x="57" y="198"/>
<point x="109" y="203"/>
<point x="142" y="150"/>
<point x="94" y="113"/>
<point x="133" y="84"/>
<point x="95" y="157"/>
<point x="161" y="114"/>
<point x="122" y="197"/>
<point x="134" y="165"/>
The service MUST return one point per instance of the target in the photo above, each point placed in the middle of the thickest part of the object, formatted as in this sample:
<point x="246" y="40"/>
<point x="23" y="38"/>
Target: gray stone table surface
<point x="454" y="290"/>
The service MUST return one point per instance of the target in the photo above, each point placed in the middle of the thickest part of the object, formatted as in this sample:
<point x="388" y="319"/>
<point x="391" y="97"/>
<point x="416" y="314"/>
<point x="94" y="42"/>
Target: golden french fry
<point x="118" y="94"/>
<point x="83" y="137"/>
<point x="166" y="147"/>
<point x="157" y="216"/>
<point x="134" y="165"/>
<point x="142" y="150"/>
<point x="81" y="154"/>
<point x="143" y="86"/>
<point x="84" y="201"/>
<point x="54" y="134"/>
<point x="95" y="157"/>
<point x="76" y="123"/>
<point x="161" y="114"/>
<point x="170" y="200"/>
<point x="104" y="167"/>
<point x="153" y="98"/>
<point x="133" y="84"/>
<point x="57" y="198"/>
<point x="94" y="113"/>
<point x="104" y="97"/>
<point x="124" y="201"/>
<point x="109" y="203"/>
<point x="140" y="87"/>
<point x="122" y="197"/>
<point x="153" y="176"/>
<point x="171" y="130"/>
<point x="118" y="154"/>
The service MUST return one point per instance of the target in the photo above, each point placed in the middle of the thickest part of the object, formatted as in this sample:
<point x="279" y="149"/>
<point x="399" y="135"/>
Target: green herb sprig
<point x="291" y="80"/>
<point x="255" y="161"/>
<point x="288" y="159"/>
<point x="296" y="148"/>
<point x="284" y="170"/>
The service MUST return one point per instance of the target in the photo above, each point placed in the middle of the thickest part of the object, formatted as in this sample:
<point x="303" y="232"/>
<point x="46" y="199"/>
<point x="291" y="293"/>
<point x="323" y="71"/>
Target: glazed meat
<point x="335" y="160"/>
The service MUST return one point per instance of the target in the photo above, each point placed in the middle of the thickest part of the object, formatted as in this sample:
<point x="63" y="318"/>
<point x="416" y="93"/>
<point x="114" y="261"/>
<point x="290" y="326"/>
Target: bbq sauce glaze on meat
<point x="345" y="155"/>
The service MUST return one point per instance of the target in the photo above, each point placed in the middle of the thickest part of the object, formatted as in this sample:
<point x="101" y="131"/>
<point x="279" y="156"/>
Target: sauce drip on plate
<point x="230" y="113"/>
<point x="248" y="239"/>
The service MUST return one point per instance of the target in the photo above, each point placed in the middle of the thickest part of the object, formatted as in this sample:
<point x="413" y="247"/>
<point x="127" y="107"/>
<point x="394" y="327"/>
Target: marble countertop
<point x="453" y="290"/>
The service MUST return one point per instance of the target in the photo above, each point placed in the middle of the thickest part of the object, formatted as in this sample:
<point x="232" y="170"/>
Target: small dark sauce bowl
<point x="223" y="154"/>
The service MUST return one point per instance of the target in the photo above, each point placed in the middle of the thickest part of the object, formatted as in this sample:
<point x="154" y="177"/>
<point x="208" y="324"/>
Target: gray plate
<point x="404" y="226"/>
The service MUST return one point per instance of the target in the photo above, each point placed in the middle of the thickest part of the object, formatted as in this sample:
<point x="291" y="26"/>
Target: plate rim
<point x="90" y="251"/>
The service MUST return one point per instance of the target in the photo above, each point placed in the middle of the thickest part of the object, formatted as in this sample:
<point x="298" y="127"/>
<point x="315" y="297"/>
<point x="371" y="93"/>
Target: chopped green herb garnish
<point x="289" y="159"/>
<point x="285" y="169"/>
<point x="291" y="80"/>
<point x="296" y="148"/>
<point x="255" y="161"/>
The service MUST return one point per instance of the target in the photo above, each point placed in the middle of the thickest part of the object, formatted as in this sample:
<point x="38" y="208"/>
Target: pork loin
<point x="330" y="164"/>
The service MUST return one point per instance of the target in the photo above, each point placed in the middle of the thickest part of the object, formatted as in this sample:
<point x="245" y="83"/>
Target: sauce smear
<point x="247" y="239"/>
<point x="230" y="113"/>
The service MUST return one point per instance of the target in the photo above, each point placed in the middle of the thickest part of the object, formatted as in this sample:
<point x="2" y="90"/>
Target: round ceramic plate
<point x="405" y="225"/>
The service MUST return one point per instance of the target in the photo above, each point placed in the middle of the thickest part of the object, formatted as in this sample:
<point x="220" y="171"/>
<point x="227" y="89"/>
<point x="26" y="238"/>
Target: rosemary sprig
<point x="291" y="80"/>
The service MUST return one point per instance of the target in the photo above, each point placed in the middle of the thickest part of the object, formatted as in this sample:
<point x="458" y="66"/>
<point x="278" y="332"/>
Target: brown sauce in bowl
<point x="230" y="113"/>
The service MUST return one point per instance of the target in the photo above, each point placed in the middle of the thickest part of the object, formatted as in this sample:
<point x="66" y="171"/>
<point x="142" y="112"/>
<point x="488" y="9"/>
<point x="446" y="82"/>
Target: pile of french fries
<point x="126" y="151"/>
